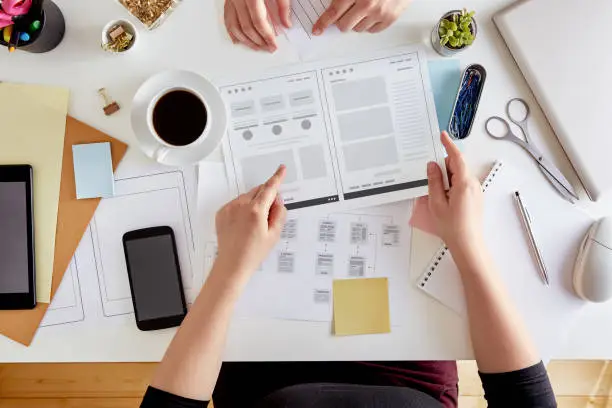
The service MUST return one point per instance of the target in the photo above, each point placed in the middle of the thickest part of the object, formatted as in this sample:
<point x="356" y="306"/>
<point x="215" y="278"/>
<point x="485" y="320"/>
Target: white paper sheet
<point x="67" y="305"/>
<point x="304" y="14"/>
<point x="139" y="202"/>
<point x="95" y="289"/>
<point x="353" y="133"/>
<point x="295" y="282"/>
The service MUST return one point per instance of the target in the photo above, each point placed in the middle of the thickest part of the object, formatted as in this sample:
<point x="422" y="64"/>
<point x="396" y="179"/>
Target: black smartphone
<point x="17" y="266"/>
<point x="155" y="278"/>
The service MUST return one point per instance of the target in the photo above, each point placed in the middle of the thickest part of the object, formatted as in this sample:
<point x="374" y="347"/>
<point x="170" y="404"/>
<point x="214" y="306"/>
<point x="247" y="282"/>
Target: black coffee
<point x="179" y="118"/>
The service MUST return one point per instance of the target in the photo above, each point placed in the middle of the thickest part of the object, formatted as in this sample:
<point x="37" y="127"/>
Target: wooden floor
<point x="577" y="385"/>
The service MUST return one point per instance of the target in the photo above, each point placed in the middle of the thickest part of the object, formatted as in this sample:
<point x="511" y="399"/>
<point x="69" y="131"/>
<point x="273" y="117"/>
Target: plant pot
<point x="447" y="50"/>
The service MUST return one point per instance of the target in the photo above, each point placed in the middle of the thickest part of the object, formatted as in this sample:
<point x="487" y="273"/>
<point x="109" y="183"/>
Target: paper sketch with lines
<point x="139" y="202"/>
<point x="67" y="305"/>
<point x="95" y="289"/>
<point x="304" y="14"/>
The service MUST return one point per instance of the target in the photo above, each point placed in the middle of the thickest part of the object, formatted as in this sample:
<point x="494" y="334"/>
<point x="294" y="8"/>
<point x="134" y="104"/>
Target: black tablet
<point x="17" y="271"/>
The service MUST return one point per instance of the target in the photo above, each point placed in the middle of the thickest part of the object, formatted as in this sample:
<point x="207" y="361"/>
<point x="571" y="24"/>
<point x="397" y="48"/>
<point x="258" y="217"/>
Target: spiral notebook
<point x="559" y="228"/>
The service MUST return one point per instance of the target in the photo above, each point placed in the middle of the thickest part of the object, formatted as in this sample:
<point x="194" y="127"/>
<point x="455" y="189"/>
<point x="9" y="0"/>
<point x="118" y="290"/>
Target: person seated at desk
<point x="250" y="22"/>
<point x="249" y="227"/>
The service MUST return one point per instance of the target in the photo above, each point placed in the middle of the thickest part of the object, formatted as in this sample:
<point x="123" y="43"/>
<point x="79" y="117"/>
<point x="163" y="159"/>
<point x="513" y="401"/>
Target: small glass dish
<point x="151" y="13"/>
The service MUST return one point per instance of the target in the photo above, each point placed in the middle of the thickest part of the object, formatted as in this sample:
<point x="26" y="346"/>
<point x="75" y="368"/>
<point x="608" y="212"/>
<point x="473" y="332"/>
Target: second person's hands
<point x="251" y="22"/>
<point x="360" y="15"/>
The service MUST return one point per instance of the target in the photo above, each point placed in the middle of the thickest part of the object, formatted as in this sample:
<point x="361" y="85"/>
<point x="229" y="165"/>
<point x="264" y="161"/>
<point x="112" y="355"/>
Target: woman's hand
<point x="458" y="213"/>
<point x="249" y="227"/>
<point x="360" y="15"/>
<point x="251" y="22"/>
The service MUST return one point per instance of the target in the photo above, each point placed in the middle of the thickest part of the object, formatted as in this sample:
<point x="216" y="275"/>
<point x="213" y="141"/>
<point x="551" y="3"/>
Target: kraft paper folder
<point x="72" y="219"/>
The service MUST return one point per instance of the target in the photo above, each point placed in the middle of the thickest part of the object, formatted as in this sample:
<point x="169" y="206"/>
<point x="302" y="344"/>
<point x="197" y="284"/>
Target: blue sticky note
<point x="445" y="75"/>
<point x="93" y="170"/>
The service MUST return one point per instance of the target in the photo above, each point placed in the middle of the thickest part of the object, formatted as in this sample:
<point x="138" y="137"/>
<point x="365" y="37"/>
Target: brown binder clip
<point x="110" y="106"/>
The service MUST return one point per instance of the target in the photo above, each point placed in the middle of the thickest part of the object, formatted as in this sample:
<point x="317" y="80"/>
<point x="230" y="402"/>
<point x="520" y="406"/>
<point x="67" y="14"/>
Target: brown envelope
<point x="73" y="216"/>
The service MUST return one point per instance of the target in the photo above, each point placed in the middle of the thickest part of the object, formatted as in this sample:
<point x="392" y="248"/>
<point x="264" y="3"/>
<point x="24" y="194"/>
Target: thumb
<point x="435" y="182"/>
<point x="284" y="10"/>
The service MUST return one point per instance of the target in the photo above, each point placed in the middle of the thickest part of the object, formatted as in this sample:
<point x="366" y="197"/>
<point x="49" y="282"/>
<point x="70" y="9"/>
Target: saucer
<point x="155" y="86"/>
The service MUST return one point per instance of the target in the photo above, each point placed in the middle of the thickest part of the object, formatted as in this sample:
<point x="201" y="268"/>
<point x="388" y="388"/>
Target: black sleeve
<point x="155" y="398"/>
<point x="527" y="388"/>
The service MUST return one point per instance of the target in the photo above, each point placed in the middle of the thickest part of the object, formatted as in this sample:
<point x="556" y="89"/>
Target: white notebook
<point x="559" y="228"/>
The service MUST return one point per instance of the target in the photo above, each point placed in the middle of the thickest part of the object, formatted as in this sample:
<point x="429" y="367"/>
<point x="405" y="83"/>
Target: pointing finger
<point x="269" y="190"/>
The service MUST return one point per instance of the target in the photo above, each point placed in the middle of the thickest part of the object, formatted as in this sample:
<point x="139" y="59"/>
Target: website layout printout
<point x="355" y="131"/>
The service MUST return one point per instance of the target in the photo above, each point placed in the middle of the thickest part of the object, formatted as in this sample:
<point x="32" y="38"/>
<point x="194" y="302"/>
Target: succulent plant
<point x="456" y="31"/>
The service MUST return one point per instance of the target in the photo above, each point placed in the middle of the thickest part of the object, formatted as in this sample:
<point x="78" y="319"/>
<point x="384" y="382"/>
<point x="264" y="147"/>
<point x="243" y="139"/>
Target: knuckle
<point x="332" y="11"/>
<point x="342" y="26"/>
<point x="250" y="31"/>
<point x="387" y="15"/>
<point x="259" y="23"/>
<point x="369" y="4"/>
<point x="253" y="211"/>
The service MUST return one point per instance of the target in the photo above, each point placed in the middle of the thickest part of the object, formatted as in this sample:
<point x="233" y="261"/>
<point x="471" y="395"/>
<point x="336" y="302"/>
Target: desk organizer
<point x="50" y="34"/>
<point x="466" y="103"/>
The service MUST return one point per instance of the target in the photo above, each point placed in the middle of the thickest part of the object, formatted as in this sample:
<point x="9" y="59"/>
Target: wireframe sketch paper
<point x="356" y="131"/>
<point x="295" y="281"/>
<point x="95" y="289"/>
<point x="140" y="202"/>
<point x="67" y="304"/>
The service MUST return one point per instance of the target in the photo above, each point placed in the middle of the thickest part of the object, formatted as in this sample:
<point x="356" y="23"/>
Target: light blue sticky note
<point x="93" y="170"/>
<point x="445" y="75"/>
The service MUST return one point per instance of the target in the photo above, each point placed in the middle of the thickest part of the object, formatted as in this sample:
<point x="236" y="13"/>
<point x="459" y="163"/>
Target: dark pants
<point x="244" y="384"/>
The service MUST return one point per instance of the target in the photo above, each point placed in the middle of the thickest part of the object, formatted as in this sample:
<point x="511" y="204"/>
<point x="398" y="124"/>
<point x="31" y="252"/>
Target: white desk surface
<point x="193" y="38"/>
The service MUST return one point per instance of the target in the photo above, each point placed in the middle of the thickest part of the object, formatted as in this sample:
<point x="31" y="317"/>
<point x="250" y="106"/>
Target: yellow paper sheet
<point x="32" y="128"/>
<point x="361" y="306"/>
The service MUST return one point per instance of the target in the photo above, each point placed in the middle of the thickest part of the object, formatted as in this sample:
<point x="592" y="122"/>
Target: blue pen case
<point x="466" y="103"/>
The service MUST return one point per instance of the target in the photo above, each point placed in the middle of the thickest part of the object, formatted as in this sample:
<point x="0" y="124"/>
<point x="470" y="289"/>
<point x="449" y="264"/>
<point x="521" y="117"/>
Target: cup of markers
<point x="35" y="26"/>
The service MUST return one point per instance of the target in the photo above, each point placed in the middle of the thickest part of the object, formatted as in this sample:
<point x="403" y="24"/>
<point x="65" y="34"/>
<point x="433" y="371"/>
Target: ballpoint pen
<point x="526" y="221"/>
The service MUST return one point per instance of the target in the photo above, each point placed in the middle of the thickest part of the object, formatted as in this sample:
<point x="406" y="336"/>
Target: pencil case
<point x="467" y="101"/>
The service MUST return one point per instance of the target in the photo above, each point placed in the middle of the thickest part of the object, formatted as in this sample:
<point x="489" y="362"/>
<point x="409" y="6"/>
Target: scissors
<point x="552" y="173"/>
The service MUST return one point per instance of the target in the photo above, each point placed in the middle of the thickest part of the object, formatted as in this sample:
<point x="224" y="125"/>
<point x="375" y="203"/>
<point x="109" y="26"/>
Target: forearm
<point x="499" y="337"/>
<point x="191" y="364"/>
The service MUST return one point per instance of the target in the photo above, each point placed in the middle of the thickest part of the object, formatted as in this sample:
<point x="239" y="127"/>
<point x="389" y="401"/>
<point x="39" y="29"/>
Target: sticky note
<point x="361" y="306"/>
<point x="93" y="170"/>
<point x="445" y="76"/>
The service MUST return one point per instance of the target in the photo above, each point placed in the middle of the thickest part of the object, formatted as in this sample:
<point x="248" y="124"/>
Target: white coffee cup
<point x="147" y="98"/>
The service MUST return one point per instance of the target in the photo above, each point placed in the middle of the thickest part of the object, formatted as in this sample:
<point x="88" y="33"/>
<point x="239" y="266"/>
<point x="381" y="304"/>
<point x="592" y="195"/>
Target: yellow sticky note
<point x="32" y="129"/>
<point x="361" y="306"/>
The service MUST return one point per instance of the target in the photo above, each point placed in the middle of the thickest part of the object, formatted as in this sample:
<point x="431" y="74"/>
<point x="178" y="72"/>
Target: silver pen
<point x="526" y="221"/>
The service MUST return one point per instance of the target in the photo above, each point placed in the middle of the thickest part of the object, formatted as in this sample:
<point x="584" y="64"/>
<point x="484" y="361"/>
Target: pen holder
<point x="51" y="31"/>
